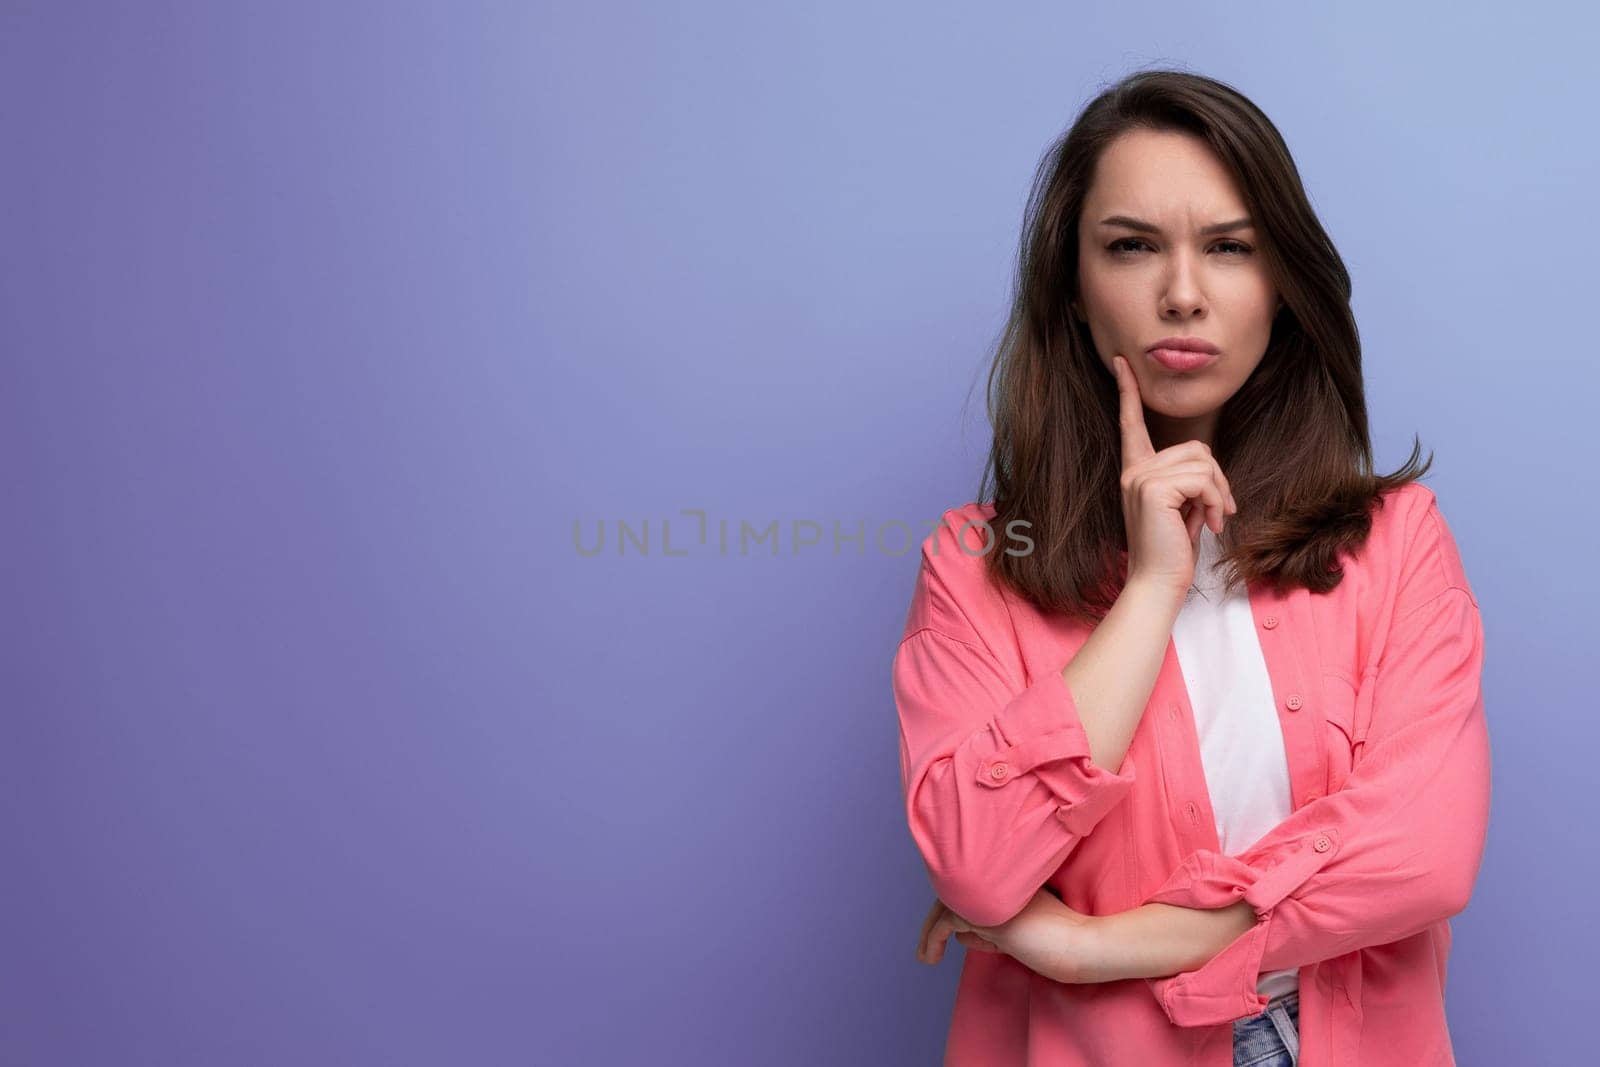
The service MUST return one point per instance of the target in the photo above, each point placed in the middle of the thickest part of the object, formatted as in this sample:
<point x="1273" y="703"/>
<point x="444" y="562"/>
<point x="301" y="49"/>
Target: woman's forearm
<point x="1113" y="674"/>
<point x="1157" y="940"/>
<point x="1111" y="678"/>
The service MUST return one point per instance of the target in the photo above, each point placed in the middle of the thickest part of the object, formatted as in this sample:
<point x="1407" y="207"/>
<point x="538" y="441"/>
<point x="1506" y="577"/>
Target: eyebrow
<point x="1150" y="227"/>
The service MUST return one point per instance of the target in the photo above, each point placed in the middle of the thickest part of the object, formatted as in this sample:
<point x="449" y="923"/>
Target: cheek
<point x="1258" y="295"/>
<point x="1108" y="301"/>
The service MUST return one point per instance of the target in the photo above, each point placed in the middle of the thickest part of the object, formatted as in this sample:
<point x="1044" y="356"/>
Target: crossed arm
<point x="1394" y="851"/>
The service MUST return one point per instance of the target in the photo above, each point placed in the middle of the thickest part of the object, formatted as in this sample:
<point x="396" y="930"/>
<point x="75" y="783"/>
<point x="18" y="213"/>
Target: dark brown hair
<point x="1293" y="440"/>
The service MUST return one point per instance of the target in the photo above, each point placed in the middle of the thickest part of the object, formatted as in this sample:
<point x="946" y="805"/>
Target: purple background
<point x="323" y="324"/>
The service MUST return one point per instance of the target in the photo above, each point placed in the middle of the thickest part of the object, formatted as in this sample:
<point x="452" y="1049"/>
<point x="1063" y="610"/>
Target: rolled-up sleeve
<point x="1395" y="850"/>
<point x="998" y="782"/>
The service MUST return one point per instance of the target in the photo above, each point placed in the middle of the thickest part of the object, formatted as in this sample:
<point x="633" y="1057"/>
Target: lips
<point x="1182" y="358"/>
<point x="1184" y="353"/>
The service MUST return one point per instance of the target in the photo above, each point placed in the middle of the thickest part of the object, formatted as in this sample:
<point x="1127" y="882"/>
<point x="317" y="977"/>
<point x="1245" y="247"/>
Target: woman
<point x="1193" y="741"/>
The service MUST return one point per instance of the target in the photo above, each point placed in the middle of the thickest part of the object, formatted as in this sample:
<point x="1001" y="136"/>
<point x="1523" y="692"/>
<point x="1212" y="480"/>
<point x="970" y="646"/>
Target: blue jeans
<point x="1271" y="1039"/>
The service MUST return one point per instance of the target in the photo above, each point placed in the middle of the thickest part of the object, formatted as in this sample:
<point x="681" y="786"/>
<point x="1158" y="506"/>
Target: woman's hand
<point x="1166" y="496"/>
<point x="940" y="925"/>
<point x="1046" y="936"/>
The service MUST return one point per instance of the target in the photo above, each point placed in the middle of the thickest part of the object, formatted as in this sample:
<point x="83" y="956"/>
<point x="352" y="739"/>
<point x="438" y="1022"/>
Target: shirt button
<point x="1321" y="843"/>
<point x="1270" y="622"/>
<point x="1293" y="702"/>
<point x="997" y="771"/>
<point x="1312" y="796"/>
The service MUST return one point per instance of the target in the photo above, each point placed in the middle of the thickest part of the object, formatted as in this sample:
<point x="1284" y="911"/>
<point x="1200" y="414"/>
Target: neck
<point x="1166" y="431"/>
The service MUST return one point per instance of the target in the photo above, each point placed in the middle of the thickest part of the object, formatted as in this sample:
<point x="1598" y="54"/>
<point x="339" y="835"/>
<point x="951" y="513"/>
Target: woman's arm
<point x="1114" y="673"/>
<point x="1068" y="946"/>
<point x="1393" y="851"/>
<point x="1389" y="854"/>
<point x="1155" y="940"/>
<point x="1001" y="785"/>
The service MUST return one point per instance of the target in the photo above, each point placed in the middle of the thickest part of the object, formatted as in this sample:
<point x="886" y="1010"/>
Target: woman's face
<point x="1179" y="277"/>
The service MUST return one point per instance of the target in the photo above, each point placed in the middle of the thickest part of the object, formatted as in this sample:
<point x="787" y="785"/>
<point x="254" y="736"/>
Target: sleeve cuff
<point x="1041" y="735"/>
<point x="1224" y="988"/>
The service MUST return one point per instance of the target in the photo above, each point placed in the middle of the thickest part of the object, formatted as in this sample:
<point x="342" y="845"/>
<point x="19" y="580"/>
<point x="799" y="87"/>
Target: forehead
<point x="1161" y="174"/>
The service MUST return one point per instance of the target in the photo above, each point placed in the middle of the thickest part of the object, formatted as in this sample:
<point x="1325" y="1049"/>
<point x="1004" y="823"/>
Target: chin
<point x="1183" y="399"/>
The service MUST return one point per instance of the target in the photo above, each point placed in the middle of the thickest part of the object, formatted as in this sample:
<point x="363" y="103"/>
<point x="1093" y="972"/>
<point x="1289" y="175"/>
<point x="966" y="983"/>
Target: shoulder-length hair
<point x="1293" y="440"/>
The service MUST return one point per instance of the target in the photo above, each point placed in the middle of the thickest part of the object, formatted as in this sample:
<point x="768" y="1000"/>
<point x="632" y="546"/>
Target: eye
<point x="1124" y="246"/>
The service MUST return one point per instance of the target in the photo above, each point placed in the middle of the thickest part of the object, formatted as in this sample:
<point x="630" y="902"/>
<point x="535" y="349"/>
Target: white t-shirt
<point x="1241" y="742"/>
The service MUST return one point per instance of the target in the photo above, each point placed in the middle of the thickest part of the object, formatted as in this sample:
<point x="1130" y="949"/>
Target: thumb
<point x="980" y="944"/>
<point x="1194" y="520"/>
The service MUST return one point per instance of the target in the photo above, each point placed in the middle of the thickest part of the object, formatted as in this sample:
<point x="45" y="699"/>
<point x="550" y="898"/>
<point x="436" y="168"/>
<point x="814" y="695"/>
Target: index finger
<point x="1135" y="435"/>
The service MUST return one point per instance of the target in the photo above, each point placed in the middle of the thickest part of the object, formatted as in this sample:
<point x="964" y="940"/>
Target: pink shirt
<point x="1377" y="686"/>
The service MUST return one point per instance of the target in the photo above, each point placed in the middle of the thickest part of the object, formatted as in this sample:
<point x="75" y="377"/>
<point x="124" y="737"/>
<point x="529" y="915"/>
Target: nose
<point x="1182" y="298"/>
